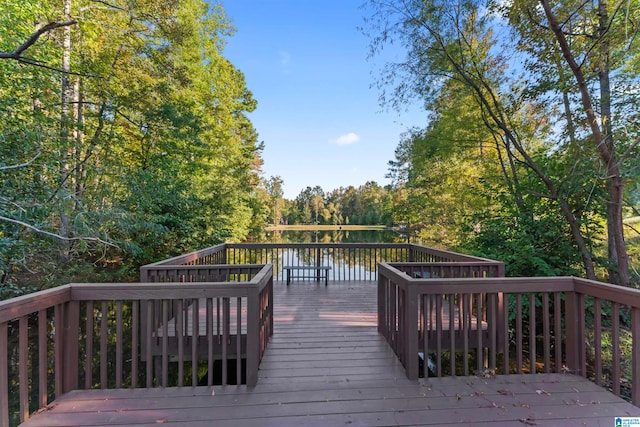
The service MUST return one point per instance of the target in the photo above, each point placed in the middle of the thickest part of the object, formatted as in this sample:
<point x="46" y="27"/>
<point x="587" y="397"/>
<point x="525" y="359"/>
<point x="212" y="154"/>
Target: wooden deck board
<point x="327" y="366"/>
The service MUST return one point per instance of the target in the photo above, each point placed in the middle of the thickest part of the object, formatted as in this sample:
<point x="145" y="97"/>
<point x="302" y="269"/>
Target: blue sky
<point x="320" y="120"/>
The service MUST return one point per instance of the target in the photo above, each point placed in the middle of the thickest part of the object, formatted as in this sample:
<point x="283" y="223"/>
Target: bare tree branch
<point x="57" y="236"/>
<point x="33" y="38"/>
<point x="22" y="165"/>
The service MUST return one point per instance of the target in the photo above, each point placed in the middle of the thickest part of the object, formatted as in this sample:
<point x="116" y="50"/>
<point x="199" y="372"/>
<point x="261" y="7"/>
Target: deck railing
<point x="103" y="336"/>
<point x="348" y="261"/>
<point x="559" y="324"/>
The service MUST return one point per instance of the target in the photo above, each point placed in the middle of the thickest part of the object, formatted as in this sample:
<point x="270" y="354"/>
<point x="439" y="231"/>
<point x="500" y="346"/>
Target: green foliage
<point x="155" y="155"/>
<point x="369" y="204"/>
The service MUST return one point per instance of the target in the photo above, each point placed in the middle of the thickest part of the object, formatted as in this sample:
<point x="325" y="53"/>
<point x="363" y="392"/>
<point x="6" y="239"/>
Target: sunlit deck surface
<point x="327" y="366"/>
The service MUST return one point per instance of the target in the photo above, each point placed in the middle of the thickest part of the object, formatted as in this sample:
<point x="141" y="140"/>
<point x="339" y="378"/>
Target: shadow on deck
<point x="327" y="365"/>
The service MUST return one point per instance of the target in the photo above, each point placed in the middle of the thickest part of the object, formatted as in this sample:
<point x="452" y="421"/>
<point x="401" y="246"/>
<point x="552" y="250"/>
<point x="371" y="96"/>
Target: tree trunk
<point x="66" y="95"/>
<point x="603" y="141"/>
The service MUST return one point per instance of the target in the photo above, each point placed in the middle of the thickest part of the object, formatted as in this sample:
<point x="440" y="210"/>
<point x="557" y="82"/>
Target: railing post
<point x="382" y="305"/>
<point x="411" y="331"/>
<point x="253" y="335"/>
<point x="635" y="356"/>
<point x="574" y="335"/>
<point x="4" y="375"/>
<point x="70" y="346"/>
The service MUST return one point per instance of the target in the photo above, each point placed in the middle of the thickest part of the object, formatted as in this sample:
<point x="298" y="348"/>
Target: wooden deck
<point x="327" y="366"/>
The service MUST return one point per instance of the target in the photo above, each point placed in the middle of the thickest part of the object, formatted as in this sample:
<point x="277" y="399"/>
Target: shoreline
<point x="325" y="227"/>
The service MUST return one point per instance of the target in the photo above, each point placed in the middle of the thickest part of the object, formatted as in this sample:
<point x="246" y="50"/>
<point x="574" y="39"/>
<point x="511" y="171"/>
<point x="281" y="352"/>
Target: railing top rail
<point x="451" y="255"/>
<point x="191" y="256"/>
<point x="478" y="284"/>
<point x="472" y="263"/>
<point x="234" y="267"/>
<point x="604" y="291"/>
<point x="24" y="305"/>
<point x="607" y="291"/>
<point x="317" y="245"/>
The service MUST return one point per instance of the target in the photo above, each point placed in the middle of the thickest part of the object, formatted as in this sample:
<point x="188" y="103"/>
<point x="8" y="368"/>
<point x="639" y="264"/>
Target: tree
<point x="274" y="190"/>
<point x="129" y="128"/>
<point x="450" y="45"/>
<point x="593" y="40"/>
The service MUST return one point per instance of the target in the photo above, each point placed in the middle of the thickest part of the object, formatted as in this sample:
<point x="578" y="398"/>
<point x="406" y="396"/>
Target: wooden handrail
<point x="561" y="312"/>
<point x="81" y="319"/>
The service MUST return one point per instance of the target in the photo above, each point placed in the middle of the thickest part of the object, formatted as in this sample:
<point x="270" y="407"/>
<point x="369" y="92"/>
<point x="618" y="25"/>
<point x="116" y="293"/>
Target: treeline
<point x="369" y="204"/>
<point x="124" y="139"/>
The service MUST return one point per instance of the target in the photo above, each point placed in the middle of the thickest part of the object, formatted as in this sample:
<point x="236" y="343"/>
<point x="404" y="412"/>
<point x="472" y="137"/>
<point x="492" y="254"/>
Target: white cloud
<point x="285" y="58"/>
<point x="347" y="139"/>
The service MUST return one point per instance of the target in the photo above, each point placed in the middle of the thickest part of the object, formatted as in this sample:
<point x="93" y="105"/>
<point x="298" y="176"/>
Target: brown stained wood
<point x="327" y="365"/>
<point x="557" y="330"/>
<point x="23" y="367"/>
<point x="519" y="336"/>
<point x="165" y="344"/>
<point x="532" y="333"/>
<point x="635" y="354"/>
<point x="148" y="342"/>
<point x="57" y="349"/>
<point x="118" y="344"/>
<point x="4" y="374"/>
<point x="615" y="345"/>
<point x="135" y="326"/>
<point x="179" y="329"/>
<point x="42" y="358"/>
<point x="104" y="333"/>
<point x="597" y="341"/>
<point x="88" y="371"/>
<point x="546" y="334"/>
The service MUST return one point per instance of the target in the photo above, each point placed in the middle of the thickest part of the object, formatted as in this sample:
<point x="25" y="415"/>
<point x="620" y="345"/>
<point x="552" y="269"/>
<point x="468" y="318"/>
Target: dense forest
<point x="126" y="139"/>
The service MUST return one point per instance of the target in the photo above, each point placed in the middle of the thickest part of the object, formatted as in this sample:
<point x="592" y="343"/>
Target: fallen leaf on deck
<point x="505" y="392"/>
<point x="528" y="421"/>
<point x="162" y="421"/>
<point x="543" y="392"/>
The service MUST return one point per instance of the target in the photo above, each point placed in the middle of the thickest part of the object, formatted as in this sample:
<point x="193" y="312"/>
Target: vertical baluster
<point x="439" y="335"/>
<point x="239" y="340"/>
<point x="149" y="333"/>
<point x="532" y="332"/>
<point x="479" y="326"/>
<point x="135" y="339"/>
<point x="505" y="330"/>
<point x="119" y="344"/>
<point x="466" y="327"/>
<point x="635" y="356"/>
<point x="225" y="339"/>
<point x="546" y="336"/>
<point x="57" y="349"/>
<point x="597" y="341"/>
<point x="180" y="327"/>
<point x="615" y="345"/>
<point x="519" y="336"/>
<point x="210" y="341"/>
<point x="88" y="363"/>
<point x="195" y="333"/>
<point x="23" y="363"/>
<point x="104" y="332"/>
<point x="452" y="335"/>
<point x="165" y="343"/>
<point x="42" y="359"/>
<point x="492" y="319"/>
<point x="557" y="330"/>
<point x="4" y="374"/>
